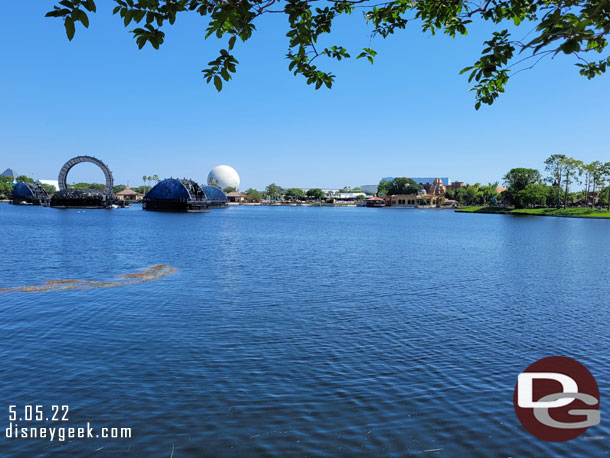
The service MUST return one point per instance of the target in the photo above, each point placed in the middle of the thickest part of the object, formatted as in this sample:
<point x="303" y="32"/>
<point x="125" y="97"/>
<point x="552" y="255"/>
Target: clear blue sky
<point x="149" y="112"/>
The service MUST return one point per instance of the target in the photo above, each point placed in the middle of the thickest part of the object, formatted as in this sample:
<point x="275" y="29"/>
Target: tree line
<point x="275" y="192"/>
<point x="527" y="188"/>
<point x="471" y="194"/>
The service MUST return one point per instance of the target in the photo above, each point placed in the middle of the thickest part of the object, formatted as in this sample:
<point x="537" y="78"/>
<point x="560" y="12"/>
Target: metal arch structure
<point x="63" y="173"/>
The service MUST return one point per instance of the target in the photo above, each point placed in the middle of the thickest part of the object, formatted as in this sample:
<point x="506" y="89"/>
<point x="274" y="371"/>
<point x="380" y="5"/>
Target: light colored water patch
<point x="152" y="273"/>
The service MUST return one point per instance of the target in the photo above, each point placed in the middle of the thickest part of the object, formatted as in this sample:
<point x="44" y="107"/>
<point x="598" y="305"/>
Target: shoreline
<point x="588" y="213"/>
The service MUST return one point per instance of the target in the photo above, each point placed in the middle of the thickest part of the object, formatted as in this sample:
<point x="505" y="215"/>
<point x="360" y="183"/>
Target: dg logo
<point x="556" y="399"/>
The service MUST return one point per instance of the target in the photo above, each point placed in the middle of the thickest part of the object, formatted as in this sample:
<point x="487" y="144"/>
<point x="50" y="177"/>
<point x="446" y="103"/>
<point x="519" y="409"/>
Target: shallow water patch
<point x="152" y="273"/>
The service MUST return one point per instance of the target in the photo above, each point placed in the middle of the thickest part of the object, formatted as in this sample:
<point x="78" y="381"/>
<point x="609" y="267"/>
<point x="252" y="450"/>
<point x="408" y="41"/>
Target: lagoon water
<point x="293" y="331"/>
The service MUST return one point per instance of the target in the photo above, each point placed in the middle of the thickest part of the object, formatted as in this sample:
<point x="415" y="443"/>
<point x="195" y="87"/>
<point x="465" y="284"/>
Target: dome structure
<point x="176" y="195"/>
<point x="223" y="177"/>
<point x="216" y="196"/>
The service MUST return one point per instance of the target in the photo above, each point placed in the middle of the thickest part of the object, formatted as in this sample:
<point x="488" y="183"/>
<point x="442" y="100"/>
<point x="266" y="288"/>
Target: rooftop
<point x="127" y="192"/>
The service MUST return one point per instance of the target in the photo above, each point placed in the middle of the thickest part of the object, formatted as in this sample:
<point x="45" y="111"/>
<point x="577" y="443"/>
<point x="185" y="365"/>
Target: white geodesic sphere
<point x="224" y="177"/>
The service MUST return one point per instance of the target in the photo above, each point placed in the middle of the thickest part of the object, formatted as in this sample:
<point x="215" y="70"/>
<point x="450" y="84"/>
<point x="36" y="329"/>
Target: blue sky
<point x="149" y="112"/>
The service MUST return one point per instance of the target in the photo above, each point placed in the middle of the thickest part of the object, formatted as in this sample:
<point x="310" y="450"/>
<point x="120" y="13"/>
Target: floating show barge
<point x="172" y="195"/>
<point x="85" y="198"/>
<point x="29" y="194"/>
<point x="216" y="197"/>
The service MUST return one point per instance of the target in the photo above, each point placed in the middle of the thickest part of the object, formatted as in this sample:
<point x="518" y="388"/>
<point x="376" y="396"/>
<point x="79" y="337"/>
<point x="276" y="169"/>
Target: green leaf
<point x="80" y="15"/>
<point x="218" y="83"/>
<point x="232" y="42"/>
<point x="69" y="24"/>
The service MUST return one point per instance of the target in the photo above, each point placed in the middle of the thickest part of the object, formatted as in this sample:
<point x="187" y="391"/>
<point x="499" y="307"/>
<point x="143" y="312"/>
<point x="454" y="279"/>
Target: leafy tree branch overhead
<point x="579" y="28"/>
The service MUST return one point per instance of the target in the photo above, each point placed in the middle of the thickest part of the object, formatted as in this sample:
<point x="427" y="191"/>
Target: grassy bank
<point x="568" y="212"/>
<point x="483" y="210"/>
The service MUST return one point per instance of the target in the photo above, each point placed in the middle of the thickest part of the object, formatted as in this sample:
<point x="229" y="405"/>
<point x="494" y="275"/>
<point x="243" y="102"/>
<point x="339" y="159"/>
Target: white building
<point x="54" y="183"/>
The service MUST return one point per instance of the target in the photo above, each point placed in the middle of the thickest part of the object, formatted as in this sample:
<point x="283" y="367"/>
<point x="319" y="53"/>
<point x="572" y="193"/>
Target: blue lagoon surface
<point x="296" y="331"/>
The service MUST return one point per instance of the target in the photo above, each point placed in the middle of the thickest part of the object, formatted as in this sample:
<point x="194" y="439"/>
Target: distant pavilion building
<point x="129" y="194"/>
<point x="408" y="200"/>
<point x="374" y="202"/>
<point x="236" y="197"/>
<point x="455" y="185"/>
<point x="436" y="188"/>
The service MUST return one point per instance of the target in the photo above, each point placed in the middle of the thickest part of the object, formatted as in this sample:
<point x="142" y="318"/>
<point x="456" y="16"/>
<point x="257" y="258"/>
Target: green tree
<point x="315" y="194"/>
<point x="142" y="189"/>
<point x="604" y="181"/>
<point x="24" y="179"/>
<point x="470" y="195"/>
<point x="402" y="185"/>
<point x="49" y="188"/>
<point x="6" y="186"/>
<point x="466" y="195"/>
<point x="118" y="188"/>
<point x="554" y="166"/>
<point x="253" y="195"/>
<point x="486" y="193"/>
<point x="571" y="167"/>
<point x="578" y="28"/>
<point x="519" y="178"/>
<point x="524" y="189"/>
<point x="273" y="191"/>
<point x="382" y="187"/>
<point x="294" y="194"/>
<point x="597" y="171"/>
<point x="96" y="186"/>
<point x="534" y="195"/>
<point x="228" y="189"/>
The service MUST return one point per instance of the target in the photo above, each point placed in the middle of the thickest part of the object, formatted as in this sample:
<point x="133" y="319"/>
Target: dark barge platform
<point x="173" y="195"/>
<point x="29" y="194"/>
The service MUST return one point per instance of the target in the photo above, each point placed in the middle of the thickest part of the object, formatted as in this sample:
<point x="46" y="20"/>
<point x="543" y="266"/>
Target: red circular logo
<point x="556" y="399"/>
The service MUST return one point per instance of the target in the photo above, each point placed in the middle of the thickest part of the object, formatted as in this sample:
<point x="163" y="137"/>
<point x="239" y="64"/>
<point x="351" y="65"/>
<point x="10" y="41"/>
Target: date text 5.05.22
<point x="38" y="413"/>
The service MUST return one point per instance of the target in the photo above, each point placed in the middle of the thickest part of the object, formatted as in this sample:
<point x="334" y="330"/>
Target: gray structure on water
<point x="29" y="194"/>
<point x="84" y="198"/>
<point x="216" y="197"/>
<point x="173" y="195"/>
